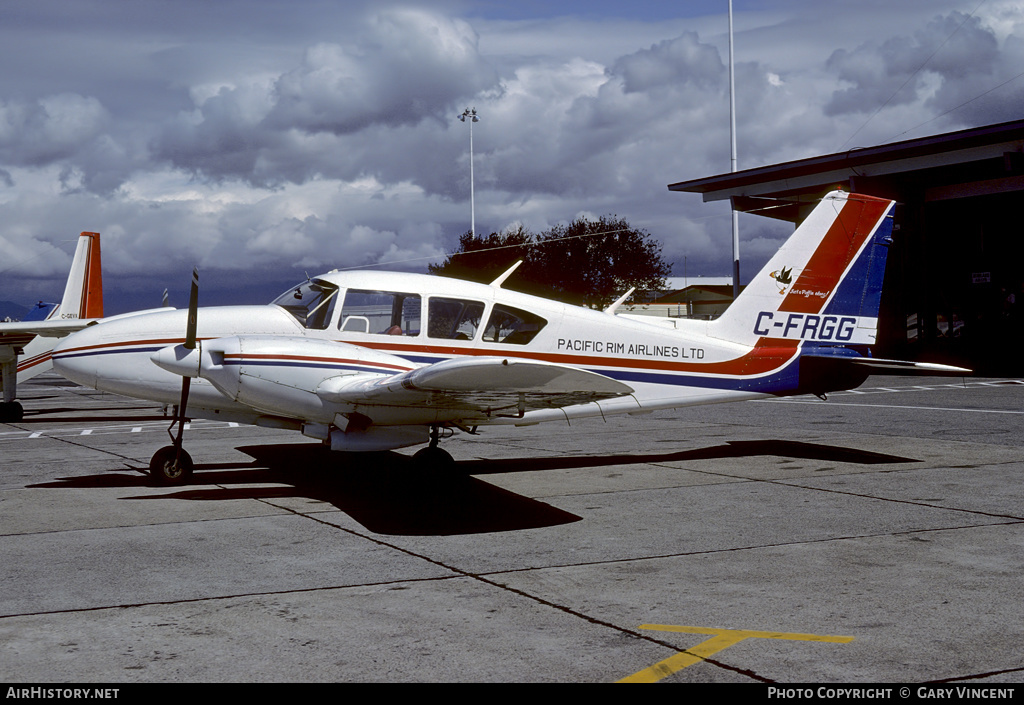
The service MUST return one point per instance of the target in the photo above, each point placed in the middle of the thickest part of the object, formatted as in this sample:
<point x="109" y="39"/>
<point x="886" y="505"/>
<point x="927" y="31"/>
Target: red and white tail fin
<point x="824" y="285"/>
<point x="83" y="295"/>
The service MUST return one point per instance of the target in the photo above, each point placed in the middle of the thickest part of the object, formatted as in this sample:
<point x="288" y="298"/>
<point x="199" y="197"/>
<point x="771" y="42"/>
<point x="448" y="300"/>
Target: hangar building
<point x="953" y="288"/>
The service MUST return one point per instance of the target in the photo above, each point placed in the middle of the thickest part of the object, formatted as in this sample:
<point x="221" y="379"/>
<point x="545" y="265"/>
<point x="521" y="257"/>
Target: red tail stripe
<point x="92" y="288"/>
<point x="842" y="242"/>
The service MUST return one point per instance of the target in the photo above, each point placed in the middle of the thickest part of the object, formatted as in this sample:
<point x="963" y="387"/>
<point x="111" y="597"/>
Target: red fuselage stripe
<point x="769" y="355"/>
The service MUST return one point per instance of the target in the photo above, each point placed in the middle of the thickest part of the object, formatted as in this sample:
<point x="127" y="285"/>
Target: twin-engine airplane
<point x="370" y="361"/>
<point x="32" y="339"/>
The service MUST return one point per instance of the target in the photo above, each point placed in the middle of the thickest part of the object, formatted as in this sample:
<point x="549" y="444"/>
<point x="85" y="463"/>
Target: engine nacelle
<point x="280" y="374"/>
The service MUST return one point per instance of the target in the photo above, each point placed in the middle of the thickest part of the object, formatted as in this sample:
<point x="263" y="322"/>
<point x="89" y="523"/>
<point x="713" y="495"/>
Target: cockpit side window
<point x="380" y="312"/>
<point x="512" y="326"/>
<point x="311" y="302"/>
<point x="454" y="319"/>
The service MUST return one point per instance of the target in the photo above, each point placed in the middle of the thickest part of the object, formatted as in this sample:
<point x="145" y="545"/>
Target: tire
<point x="434" y="460"/>
<point x="162" y="467"/>
<point x="11" y="412"/>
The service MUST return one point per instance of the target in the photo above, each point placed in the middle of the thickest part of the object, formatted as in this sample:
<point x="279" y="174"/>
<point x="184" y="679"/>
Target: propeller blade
<point x="189" y="344"/>
<point x="193" y="310"/>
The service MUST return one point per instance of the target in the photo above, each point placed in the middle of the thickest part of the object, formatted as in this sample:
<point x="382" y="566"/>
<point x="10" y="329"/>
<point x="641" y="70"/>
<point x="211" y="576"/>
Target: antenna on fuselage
<point x="619" y="301"/>
<point x="508" y="272"/>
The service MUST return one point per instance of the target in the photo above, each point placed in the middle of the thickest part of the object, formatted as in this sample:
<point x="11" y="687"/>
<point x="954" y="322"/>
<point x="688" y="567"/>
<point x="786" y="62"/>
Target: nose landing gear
<point x="171" y="465"/>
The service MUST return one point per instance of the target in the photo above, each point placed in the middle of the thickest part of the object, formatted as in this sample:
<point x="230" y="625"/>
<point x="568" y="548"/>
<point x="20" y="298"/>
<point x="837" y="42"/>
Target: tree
<point x="483" y="259"/>
<point x="588" y="262"/>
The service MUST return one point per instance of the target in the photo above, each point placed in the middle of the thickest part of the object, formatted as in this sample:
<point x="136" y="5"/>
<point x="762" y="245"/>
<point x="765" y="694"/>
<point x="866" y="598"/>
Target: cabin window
<point x="312" y="303"/>
<point x="454" y="319"/>
<point x="380" y="312"/>
<point x="512" y="325"/>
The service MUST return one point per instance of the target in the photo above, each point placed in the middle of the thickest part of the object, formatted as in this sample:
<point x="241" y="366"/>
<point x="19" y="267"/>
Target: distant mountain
<point x="9" y="309"/>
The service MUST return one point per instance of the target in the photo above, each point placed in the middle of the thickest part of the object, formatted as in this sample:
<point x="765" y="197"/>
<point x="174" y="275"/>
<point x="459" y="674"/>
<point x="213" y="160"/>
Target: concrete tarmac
<point x="877" y="537"/>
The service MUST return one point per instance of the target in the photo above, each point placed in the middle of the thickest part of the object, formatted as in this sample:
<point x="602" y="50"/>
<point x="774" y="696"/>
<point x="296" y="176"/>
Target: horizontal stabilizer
<point x="52" y="328"/>
<point x="894" y="366"/>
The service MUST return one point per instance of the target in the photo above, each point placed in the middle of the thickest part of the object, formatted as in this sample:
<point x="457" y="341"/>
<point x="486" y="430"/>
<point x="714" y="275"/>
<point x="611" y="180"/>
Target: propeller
<point x="190" y="344"/>
<point x="172" y="464"/>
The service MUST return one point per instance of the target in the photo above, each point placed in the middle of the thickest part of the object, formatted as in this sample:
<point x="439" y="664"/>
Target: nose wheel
<point x="171" y="466"/>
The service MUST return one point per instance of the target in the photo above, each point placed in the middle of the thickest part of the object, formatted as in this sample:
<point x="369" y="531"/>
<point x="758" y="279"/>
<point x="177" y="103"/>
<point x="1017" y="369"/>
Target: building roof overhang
<point x="799" y="183"/>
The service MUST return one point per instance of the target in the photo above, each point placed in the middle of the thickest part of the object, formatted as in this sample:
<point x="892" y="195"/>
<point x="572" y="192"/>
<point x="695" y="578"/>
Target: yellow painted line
<point x="720" y="639"/>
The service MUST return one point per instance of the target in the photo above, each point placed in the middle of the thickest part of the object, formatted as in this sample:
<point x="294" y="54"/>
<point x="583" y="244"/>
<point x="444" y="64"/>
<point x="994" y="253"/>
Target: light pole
<point x="470" y="115"/>
<point x="732" y="135"/>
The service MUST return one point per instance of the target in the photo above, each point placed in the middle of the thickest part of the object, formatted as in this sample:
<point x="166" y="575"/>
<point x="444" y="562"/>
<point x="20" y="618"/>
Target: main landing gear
<point x="433" y="458"/>
<point x="11" y="412"/>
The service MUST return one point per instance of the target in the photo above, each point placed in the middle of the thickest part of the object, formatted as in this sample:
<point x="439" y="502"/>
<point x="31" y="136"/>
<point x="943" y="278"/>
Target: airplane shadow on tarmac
<point x="387" y="494"/>
<point x="732" y="449"/>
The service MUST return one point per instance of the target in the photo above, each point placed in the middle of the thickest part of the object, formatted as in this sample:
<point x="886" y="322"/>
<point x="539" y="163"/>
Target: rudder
<point x="83" y="294"/>
<point x="824" y="285"/>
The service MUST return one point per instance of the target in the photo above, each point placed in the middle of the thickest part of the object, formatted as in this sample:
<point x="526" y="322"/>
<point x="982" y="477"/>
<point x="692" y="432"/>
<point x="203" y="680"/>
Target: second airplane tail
<point x="83" y="294"/>
<point x="83" y="299"/>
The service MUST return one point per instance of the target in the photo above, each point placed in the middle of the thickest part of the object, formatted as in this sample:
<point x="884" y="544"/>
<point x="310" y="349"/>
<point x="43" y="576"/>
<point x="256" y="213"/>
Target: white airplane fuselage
<point x="658" y="360"/>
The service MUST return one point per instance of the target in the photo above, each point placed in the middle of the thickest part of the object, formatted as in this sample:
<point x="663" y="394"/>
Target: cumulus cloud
<point x="408" y="64"/>
<point x="403" y="67"/>
<point x="48" y="129"/>
<point x="953" y="48"/>
<point x="673" y="62"/>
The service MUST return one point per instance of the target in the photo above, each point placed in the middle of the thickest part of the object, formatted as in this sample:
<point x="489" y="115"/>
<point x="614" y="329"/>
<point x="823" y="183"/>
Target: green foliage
<point x="483" y="259"/>
<point x="588" y="262"/>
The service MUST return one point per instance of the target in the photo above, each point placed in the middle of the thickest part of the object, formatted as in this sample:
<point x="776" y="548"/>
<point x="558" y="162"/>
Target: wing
<point x="482" y="387"/>
<point x="20" y="332"/>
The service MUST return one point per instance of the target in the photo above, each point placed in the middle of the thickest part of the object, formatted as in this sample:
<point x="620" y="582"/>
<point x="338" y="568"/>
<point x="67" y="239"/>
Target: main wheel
<point x="434" y="459"/>
<point x="11" y="412"/>
<point x="164" y="469"/>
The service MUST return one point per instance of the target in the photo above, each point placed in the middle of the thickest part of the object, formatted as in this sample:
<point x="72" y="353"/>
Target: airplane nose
<point x="116" y="355"/>
<point x="73" y="359"/>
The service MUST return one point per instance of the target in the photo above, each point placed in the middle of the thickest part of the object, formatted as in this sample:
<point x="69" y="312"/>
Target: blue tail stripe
<point x="860" y="291"/>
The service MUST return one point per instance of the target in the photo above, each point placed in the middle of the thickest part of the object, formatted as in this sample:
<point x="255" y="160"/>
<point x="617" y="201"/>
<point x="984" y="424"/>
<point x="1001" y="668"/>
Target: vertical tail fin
<point x="824" y="284"/>
<point x="83" y="295"/>
<point x="83" y="298"/>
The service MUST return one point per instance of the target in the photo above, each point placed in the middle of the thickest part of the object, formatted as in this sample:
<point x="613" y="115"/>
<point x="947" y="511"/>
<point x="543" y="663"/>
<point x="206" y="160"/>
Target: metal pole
<point x="472" y="181"/>
<point x="732" y="130"/>
<point x="472" y="117"/>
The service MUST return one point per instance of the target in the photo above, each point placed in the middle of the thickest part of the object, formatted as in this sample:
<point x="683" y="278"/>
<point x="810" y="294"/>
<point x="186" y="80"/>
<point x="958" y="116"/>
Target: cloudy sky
<point x="261" y="139"/>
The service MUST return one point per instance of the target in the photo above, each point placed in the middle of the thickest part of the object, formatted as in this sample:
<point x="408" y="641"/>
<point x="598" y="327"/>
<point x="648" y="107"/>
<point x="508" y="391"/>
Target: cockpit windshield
<point x="311" y="302"/>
